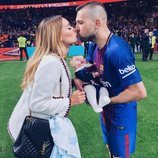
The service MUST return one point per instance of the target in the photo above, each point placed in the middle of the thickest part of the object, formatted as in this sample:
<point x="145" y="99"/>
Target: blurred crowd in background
<point x="126" y="19"/>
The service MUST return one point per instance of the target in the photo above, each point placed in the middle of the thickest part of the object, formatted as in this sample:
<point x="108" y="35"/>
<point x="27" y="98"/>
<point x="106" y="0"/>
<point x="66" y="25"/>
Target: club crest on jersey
<point x="101" y="68"/>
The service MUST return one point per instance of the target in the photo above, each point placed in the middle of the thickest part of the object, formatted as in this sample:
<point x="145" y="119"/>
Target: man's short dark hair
<point x="89" y="4"/>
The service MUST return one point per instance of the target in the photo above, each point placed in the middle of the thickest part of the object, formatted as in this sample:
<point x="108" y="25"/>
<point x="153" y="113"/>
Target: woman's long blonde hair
<point x="48" y="40"/>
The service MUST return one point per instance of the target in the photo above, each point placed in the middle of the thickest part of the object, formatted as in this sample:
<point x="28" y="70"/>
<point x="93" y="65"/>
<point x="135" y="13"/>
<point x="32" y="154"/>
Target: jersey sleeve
<point x="123" y="62"/>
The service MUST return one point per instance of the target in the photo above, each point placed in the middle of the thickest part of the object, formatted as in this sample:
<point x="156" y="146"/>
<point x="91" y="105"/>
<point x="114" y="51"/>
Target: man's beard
<point x="88" y="38"/>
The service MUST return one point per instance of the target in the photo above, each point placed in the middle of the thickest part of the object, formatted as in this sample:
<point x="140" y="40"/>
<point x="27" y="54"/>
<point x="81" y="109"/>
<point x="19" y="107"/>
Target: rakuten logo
<point x="106" y="84"/>
<point x="127" y="69"/>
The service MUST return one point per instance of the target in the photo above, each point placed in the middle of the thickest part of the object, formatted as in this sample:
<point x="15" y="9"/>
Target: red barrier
<point x="64" y="4"/>
<point x="7" y="54"/>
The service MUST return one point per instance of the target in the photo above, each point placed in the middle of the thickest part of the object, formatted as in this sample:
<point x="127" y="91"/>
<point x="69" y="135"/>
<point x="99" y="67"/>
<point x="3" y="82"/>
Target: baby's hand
<point x="77" y="62"/>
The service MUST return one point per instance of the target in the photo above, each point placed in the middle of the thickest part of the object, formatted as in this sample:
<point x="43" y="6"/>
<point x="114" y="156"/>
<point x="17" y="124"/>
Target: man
<point x="152" y="42"/>
<point x="132" y="41"/>
<point x="145" y="44"/>
<point x="120" y="76"/>
<point x="22" y="42"/>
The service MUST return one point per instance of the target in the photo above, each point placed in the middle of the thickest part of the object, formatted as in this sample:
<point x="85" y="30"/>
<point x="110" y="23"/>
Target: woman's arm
<point x="47" y="77"/>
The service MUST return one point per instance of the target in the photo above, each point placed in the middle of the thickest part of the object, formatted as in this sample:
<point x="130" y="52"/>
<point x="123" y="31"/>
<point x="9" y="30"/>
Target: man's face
<point x="85" y="25"/>
<point x="150" y="34"/>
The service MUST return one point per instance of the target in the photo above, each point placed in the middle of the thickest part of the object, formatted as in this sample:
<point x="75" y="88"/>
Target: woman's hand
<point x="78" y="97"/>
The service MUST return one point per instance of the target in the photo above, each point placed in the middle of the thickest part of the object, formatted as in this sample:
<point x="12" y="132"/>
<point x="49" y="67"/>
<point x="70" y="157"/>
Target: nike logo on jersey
<point x="127" y="70"/>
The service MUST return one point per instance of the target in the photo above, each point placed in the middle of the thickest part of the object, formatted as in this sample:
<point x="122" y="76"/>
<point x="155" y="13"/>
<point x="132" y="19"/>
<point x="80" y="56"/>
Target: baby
<point x="96" y="94"/>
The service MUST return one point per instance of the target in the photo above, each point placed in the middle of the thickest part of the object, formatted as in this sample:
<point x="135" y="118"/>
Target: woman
<point x="47" y="87"/>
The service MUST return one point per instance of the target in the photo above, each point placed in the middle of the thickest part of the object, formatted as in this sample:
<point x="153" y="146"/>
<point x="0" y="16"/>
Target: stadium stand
<point x="125" y="19"/>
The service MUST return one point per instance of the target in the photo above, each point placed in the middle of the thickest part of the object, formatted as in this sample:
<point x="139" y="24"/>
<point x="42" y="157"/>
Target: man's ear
<point x="97" y="23"/>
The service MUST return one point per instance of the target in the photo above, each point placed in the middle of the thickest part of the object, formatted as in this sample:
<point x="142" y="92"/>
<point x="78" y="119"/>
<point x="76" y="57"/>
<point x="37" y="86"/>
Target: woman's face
<point x="68" y="35"/>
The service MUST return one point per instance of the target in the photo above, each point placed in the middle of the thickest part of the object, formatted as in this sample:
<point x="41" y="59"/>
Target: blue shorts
<point x="118" y="123"/>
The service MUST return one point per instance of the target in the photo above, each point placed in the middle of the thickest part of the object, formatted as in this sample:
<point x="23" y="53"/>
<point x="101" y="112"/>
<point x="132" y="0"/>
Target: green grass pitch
<point x="84" y="119"/>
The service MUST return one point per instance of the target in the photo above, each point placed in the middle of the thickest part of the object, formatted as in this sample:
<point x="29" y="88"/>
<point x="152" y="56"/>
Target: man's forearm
<point x="124" y="97"/>
<point x="132" y="93"/>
